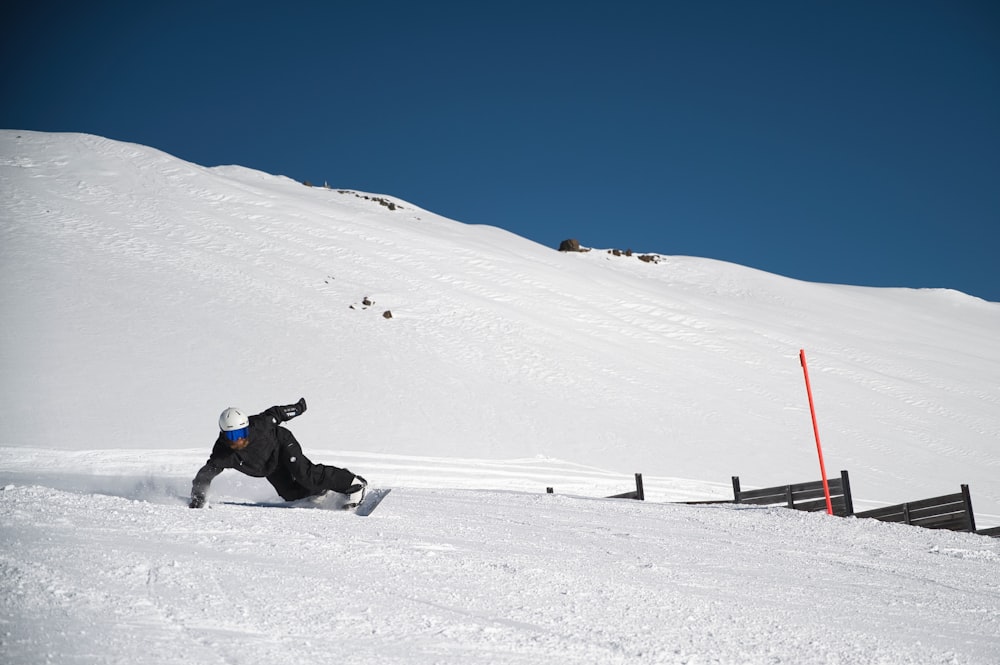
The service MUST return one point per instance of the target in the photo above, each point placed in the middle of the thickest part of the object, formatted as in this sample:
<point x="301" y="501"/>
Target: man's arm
<point x="282" y="414"/>
<point x="202" y="481"/>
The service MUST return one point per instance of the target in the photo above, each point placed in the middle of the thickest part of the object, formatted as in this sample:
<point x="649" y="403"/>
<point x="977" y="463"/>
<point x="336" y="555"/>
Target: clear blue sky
<point x="848" y="141"/>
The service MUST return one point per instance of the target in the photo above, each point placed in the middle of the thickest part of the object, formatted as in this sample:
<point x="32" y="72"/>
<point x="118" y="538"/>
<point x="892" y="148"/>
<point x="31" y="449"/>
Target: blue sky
<point x="853" y="142"/>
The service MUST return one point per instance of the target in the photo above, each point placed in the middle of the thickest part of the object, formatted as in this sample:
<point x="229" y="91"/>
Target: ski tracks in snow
<point x="483" y="576"/>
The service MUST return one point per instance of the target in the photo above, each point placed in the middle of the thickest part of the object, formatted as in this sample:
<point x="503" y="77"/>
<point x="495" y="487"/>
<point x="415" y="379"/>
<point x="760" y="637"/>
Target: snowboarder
<point x="260" y="447"/>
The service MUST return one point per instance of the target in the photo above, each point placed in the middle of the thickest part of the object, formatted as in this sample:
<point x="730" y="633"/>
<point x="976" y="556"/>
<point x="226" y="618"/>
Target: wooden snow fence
<point x="809" y="497"/>
<point x="949" y="511"/>
<point x="638" y="494"/>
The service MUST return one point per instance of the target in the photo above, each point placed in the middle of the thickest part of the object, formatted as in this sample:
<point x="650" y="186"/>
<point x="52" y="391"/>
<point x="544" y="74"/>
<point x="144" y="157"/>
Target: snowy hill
<point x="143" y="294"/>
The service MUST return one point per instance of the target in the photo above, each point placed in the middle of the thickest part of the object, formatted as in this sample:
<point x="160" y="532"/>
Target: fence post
<point x="967" y="498"/>
<point x="848" y="501"/>
<point x="736" y="489"/>
<point x="639" y="493"/>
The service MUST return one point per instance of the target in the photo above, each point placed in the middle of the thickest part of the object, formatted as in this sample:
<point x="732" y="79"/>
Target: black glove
<point x="293" y="410"/>
<point x="197" y="501"/>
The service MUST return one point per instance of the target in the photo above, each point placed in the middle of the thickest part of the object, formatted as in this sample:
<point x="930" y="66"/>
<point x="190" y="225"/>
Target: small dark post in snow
<point x="967" y="500"/>
<point x="845" y="485"/>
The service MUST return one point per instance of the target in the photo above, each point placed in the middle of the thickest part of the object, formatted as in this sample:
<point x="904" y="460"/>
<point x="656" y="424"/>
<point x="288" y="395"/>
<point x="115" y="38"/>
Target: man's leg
<point x="316" y="477"/>
<point x="286" y="487"/>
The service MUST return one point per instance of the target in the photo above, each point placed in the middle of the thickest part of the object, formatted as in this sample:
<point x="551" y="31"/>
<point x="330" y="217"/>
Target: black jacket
<point x="258" y="459"/>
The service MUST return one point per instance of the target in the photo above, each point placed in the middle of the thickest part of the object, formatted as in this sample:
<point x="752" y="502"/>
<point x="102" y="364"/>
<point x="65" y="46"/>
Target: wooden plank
<point x="765" y="492"/>
<point x="952" y="521"/>
<point x="706" y="503"/>
<point x="832" y="483"/>
<point x="886" y="513"/>
<point x="927" y="513"/>
<point x="838" y="504"/>
<point x="940" y="509"/>
<point x="992" y="532"/>
<point x="887" y="517"/>
<point x="935" y="501"/>
<point x="813" y="494"/>
<point x="812" y="506"/>
<point x="769" y="499"/>
<point x="764" y="501"/>
<point x="877" y="513"/>
<point x="768" y="495"/>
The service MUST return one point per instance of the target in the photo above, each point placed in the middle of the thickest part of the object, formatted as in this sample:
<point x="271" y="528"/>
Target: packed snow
<point x="143" y="294"/>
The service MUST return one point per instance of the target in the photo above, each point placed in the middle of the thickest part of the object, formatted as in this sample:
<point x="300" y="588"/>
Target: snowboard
<point x="373" y="498"/>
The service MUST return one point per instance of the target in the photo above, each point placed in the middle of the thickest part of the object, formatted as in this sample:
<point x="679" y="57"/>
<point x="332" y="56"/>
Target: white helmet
<point x="233" y="419"/>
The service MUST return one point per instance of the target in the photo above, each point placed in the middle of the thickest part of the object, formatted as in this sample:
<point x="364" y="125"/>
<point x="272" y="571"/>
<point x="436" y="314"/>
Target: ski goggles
<point x="236" y="434"/>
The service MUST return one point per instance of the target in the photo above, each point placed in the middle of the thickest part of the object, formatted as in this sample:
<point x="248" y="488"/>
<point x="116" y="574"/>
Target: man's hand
<point x="197" y="501"/>
<point x="293" y="410"/>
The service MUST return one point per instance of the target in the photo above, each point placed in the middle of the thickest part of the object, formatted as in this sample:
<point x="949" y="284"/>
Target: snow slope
<point x="445" y="576"/>
<point x="142" y="294"/>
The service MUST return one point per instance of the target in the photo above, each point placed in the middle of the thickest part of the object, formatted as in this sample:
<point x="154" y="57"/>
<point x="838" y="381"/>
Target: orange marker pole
<point x="819" y="448"/>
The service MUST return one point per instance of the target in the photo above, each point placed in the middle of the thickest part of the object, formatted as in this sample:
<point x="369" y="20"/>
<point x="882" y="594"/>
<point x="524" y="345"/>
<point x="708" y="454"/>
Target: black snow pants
<point x="296" y="477"/>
